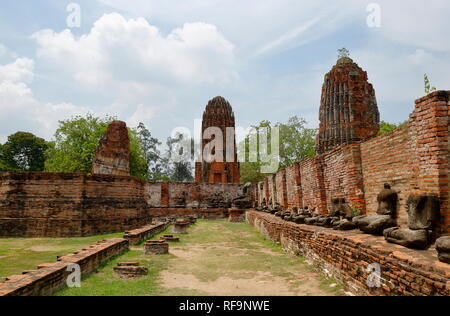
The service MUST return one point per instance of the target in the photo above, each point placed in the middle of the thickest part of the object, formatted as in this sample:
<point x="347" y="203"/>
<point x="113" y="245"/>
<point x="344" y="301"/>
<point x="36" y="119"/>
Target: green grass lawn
<point x="19" y="254"/>
<point x="215" y="258"/>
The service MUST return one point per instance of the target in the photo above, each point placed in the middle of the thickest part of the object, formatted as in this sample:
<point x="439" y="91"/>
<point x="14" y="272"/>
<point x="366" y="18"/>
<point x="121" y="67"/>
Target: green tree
<point x="23" y="152"/>
<point x="77" y="139"/>
<point x="151" y="152"/>
<point x="179" y="171"/>
<point x="297" y="142"/>
<point x="138" y="160"/>
<point x="386" y="128"/>
<point x="250" y="172"/>
<point x="3" y="165"/>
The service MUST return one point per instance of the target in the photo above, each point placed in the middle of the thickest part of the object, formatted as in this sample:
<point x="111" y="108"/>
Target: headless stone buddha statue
<point x="342" y="214"/>
<point x="387" y="201"/>
<point x="385" y="218"/>
<point x="423" y="223"/>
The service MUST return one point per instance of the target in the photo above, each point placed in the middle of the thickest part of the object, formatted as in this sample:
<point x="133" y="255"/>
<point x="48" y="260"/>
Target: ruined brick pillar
<point x="113" y="153"/>
<point x="430" y="145"/>
<point x="218" y="113"/>
<point x="348" y="108"/>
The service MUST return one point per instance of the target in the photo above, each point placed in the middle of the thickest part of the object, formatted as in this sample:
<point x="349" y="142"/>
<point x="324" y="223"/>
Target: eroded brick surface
<point x="51" y="277"/>
<point x="76" y="204"/>
<point x="348" y="108"/>
<point x="347" y="256"/>
<point x="219" y="114"/>
<point x="113" y="153"/>
<point x="413" y="159"/>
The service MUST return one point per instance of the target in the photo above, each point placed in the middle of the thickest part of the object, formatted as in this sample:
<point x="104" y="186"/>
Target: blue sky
<point x="160" y="61"/>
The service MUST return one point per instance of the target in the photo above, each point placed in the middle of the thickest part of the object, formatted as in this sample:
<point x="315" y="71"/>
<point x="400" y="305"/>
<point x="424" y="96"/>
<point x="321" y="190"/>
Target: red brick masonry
<point x="139" y="235"/>
<point x="414" y="159"/>
<point x="347" y="255"/>
<point x="40" y="204"/>
<point x="51" y="277"/>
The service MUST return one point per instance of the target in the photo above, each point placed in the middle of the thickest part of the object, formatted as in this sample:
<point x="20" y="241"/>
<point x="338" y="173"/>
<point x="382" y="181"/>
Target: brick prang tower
<point x="218" y="113"/>
<point x="348" y="108"/>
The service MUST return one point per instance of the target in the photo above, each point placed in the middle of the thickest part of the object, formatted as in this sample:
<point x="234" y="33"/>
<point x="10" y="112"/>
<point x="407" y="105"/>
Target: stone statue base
<point x="344" y="225"/>
<point x="374" y="224"/>
<point x="414" y="239"/>
<point x="443" y="248"/>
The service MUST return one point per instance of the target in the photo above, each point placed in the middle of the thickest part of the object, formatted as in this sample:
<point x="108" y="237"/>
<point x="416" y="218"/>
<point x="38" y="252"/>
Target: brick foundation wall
<point x="52" y="277"/>
<point x="139" y="235"/>
<point x="347" y="256"/>
<point x="204" y="213"/>
<point x="77" y="204"/>
<point x="74" y="204"/>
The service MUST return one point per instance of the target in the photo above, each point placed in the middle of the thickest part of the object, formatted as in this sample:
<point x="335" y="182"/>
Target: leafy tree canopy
<point x="23" y="152"/>
<point x="179" y="171"/>
<point x="296" y="143"/>
<point x="386" y="128"/>
<point x="152" y="154"/>
<point x="77" y="139"/>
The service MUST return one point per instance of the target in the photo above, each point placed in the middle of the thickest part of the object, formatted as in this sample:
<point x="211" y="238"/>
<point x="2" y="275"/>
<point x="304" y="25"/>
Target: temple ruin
<point x="363" y="200"/>
<point x="348" y="107"/>
<point x="113" y="153"/>
<point x="218" y="114"/>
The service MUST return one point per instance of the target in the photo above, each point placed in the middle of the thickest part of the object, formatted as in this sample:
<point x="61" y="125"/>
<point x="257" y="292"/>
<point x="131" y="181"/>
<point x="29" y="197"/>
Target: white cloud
<point x="20" y="110"/>
<point x="117" y="50"/>
<point x="252" y="24"/>
<point x="142" y="114"/>
<point x="20" y="70"/>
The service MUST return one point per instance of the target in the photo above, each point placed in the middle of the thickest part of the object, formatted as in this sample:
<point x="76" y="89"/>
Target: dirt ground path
<point x="214" y="258"/>
<point x="231" y="259"/>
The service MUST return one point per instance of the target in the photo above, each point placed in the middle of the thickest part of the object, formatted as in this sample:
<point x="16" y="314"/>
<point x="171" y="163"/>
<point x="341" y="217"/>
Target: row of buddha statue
<point x="421" y="232"/>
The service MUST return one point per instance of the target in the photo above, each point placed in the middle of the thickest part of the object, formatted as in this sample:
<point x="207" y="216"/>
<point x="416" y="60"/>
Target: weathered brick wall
<point x="413" y="159"/>
<point x="204" y="213"/>
<point x="430" y="143"/>
<point x="343" y="176"/>
<point x="51" y="277"/>
<point x="347" y="256"/>
<point x="294" y="186"/>
<point x="386" y="159"/>
<point x="139" y="235"/>
<point x="54" y="204"/>
<point x="271" y="187"/>
<point x="313" y="186"/>
<point x="280" y="184"/>
<point x="76" y="204"/>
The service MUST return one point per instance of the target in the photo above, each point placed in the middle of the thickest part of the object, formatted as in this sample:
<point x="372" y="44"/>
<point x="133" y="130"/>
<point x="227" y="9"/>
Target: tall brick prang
<point x="218" y="113"/>
<point x="113" y="153"/>
<point x="348" y="109"/>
